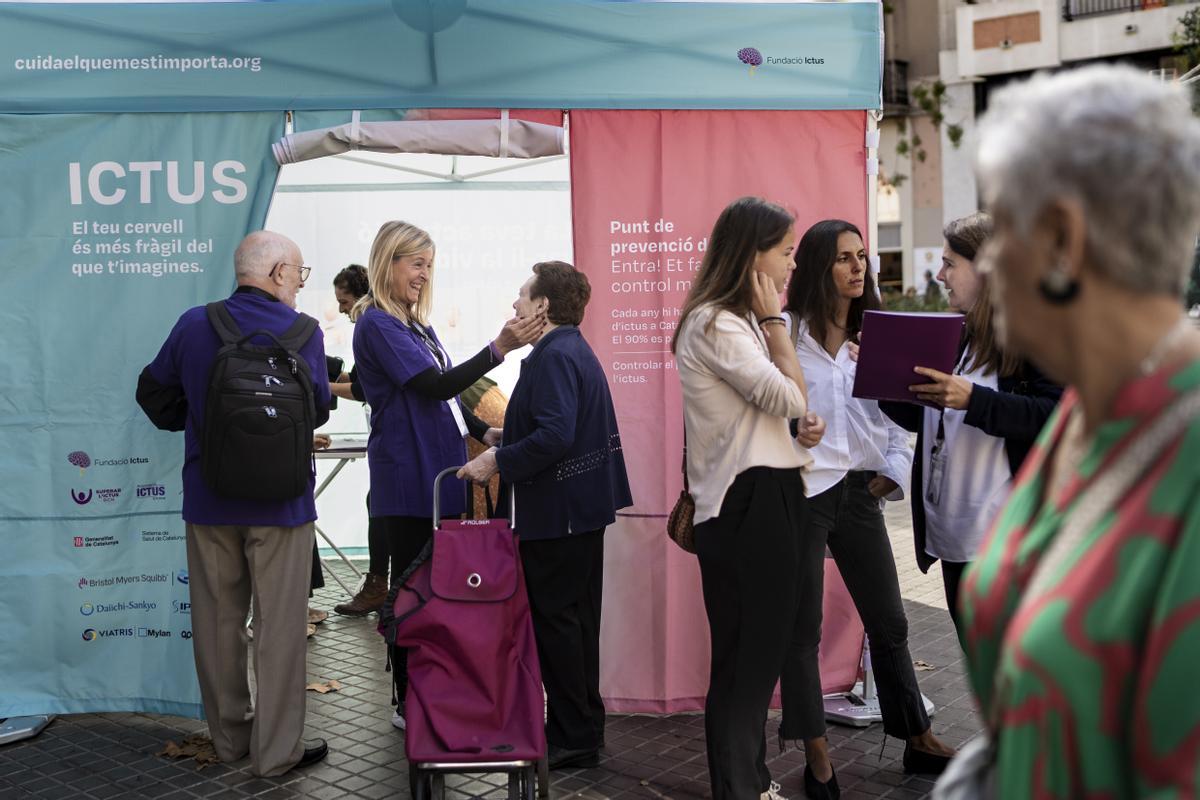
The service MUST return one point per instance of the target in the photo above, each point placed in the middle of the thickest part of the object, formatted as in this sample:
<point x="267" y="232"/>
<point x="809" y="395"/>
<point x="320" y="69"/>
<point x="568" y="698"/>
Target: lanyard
<point x="940" y="439"/>
<point x="440" y="358"/>
<point x="432" y="345"/>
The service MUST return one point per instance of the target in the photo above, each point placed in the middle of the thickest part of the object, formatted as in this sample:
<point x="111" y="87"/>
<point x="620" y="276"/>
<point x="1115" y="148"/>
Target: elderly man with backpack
<point x="244" y="378"/>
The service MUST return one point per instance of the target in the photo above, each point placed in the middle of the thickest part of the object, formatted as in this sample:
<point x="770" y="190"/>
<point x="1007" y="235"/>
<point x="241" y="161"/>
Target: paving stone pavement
<point x="106" y="756"/>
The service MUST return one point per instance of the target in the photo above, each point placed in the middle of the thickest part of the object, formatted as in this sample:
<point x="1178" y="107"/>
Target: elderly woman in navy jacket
<point x="561" y="453"/>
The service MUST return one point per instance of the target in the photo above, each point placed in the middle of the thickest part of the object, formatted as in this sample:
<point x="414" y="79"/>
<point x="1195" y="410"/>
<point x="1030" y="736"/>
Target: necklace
<point x="1160" y="351"/>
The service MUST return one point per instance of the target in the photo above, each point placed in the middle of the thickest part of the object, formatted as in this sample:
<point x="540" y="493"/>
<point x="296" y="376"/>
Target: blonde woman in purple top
<point x="418" y="425"/>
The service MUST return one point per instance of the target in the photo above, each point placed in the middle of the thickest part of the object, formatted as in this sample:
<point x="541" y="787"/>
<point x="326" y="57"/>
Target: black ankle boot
<point x="919" y="762"/>
<point x="815" y="790"/>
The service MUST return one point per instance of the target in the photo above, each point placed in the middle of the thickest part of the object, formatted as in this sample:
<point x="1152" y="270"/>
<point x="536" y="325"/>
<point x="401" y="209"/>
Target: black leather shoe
<point x="562" y="758"/>
<point x="815" y="790"/>
<point x="314" y="751"/>
<point x="918" y="762"/>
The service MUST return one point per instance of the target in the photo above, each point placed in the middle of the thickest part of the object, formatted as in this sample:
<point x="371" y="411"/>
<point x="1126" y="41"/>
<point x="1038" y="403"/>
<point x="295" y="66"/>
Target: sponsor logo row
<point x="147" y="537"/>
<point x="92" y="634"/>
<point x="107" y="582"/>
<point x="152" y="491"/>
<point x="88" y="609"/>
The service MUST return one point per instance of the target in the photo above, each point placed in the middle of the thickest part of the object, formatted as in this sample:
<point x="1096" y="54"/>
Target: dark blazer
<point x="561" y="450"/>
<point x="1016" y="413"/>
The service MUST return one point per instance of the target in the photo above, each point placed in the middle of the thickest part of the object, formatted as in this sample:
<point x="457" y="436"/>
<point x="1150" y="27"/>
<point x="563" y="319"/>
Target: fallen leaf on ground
<point x="922" y="666"/>
<point x="324" y="687"/>
<point x="196" y="746"/>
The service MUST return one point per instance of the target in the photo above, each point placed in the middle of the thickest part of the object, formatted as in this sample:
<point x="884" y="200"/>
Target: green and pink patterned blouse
<point x="1093" y="689"/>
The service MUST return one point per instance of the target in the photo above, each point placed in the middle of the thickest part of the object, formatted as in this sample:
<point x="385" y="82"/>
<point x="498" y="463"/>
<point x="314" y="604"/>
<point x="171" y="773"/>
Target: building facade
<point x="943" y="58"/>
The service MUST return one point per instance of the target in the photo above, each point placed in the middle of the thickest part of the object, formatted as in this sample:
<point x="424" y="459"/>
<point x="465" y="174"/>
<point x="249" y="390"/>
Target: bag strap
<point x="794" y="332"/>
<point x="298" y="333"/>
<point x="294" y="338"/>
<point x="683" y="464"/>
<point x="223" y="322"/>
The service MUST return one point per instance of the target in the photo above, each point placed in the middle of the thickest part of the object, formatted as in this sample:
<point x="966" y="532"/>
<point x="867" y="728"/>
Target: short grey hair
<point x="1123" y="145"/>
<point x="259" y="252"/>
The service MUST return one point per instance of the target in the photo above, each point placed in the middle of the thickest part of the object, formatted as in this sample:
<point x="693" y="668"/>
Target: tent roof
<point x="363" y="54"/>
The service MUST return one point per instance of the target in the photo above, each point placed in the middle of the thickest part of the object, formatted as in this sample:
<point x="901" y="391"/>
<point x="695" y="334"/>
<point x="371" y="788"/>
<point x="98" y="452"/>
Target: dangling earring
<point x="1057" y="287"/>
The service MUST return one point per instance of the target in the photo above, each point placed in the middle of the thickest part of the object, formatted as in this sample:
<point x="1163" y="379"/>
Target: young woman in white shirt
<point x="862" y="459"/>
<point x="741" y="384"/>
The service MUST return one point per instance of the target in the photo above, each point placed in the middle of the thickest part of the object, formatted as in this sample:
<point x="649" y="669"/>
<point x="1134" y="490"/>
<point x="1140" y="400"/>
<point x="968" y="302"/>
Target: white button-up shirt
<point x="858" y="435"/>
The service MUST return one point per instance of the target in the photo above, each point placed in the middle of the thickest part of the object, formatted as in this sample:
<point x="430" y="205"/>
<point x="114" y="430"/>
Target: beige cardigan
<point x="736" y="405"/>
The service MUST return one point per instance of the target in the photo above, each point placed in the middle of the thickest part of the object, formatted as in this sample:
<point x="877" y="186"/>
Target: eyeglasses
<point x="304" y="271"/>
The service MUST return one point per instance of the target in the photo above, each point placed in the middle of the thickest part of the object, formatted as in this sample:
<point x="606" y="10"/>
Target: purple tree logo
<point x="750" y="56"/>
<point x="80" y="459"/>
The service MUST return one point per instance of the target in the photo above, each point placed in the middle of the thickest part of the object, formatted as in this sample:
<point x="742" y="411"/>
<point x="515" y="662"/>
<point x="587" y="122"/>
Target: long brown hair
<point x="812" y="293"/>
<point x="747" y="227"/>
<point x="966" y="237"/>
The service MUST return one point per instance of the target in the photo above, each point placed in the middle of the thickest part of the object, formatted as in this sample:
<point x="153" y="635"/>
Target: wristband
<point x="496" y="354"/>
<point x="766" y="320"/>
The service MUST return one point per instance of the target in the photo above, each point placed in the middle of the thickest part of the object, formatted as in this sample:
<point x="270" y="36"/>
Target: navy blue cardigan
<point x="1015" y="412"/>
<point x="561" y="450"/>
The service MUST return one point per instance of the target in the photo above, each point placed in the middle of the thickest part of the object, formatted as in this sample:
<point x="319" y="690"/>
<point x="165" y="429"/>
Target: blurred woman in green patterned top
<point x="1082" y="612"/>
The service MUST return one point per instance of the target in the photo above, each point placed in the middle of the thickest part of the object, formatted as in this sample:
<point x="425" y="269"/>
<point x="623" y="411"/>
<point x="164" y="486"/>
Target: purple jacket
<point x="184" y="363"/>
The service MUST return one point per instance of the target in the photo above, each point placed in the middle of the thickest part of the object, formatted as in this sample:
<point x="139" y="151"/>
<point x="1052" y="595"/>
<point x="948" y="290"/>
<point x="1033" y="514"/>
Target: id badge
<point x="937" y="474"/>
<point x="456" y="412"/>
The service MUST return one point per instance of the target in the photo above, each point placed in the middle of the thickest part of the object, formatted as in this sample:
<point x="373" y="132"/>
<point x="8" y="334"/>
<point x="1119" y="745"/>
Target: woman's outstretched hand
<point x="520" y="331"/>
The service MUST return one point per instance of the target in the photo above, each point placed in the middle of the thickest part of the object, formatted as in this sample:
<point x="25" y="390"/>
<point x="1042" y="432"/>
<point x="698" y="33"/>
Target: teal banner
<point x="110" y="226"/>
<point x="362" y="54"/>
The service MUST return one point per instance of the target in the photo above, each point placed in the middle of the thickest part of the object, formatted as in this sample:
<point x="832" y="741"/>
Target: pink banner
<point x="646" y="189"/>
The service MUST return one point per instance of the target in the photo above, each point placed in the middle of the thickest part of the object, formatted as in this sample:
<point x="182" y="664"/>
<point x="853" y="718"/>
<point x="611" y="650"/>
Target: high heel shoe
<point x="815" y="790"/>
<point x="920" y="762"/>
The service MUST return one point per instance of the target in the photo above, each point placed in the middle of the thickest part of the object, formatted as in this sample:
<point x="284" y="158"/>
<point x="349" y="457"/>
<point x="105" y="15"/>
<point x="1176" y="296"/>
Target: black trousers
<point x="748" y="565"/>
<point x="848" y="518"/>
<point x="378" y="551"/>
<point x="406" y="536"/>
<point x="952" y="572"/>
<point x="565" y="579"/>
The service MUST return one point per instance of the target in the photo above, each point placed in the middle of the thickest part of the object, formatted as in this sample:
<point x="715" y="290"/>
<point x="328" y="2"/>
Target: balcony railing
<point x="895" y="84"/>
<point x="1076" y="9"/>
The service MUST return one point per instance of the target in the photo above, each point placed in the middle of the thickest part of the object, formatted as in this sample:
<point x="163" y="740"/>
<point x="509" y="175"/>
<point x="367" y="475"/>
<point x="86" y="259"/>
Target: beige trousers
<point x="228" y="565"/>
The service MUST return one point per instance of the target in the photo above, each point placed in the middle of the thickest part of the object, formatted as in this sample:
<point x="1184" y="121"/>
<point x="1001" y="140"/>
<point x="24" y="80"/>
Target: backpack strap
<point x="795" y="329"/>
<point x="294" y="338"/>
<point x="223" y="322"/>
<point x="298" y="334"/>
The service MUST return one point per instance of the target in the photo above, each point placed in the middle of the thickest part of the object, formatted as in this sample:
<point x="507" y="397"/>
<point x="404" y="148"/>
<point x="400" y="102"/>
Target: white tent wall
<point x="489" y="230"/>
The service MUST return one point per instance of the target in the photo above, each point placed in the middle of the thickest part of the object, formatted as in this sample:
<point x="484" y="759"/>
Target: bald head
<point x="256" y="260"/>
<point x="260" y="252"/>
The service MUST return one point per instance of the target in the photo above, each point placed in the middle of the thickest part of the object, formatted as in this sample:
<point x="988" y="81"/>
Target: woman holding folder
<point x="862" y="459"/>
<point x="985" y="418"/>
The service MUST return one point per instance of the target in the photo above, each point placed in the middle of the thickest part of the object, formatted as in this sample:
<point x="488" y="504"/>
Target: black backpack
<point x="257" y="439"/>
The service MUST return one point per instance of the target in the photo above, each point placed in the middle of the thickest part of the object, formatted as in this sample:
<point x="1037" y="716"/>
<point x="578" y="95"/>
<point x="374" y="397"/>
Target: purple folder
<point x="894" y="343"/>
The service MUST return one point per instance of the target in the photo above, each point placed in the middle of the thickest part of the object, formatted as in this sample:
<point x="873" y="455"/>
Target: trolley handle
<point x="437" y="498"/>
